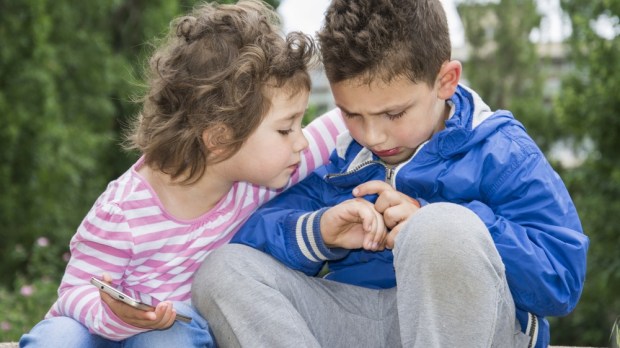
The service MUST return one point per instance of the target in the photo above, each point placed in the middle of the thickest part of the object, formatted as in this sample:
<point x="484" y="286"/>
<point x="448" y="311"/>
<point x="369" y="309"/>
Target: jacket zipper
<point x="532" y="330"/>
<point x="389" y="171"/>
<point x="389" y="175"/>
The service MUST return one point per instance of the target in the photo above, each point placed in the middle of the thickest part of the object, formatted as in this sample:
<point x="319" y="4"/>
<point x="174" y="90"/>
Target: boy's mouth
<point x="387" y="153"/>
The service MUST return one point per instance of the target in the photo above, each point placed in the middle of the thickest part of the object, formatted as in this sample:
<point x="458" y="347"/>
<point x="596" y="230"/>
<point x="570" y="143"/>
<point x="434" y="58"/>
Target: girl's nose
<point x="301" y="143"/>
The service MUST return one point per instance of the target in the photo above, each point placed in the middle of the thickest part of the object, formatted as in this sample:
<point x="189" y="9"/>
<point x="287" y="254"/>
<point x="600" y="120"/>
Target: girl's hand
<point x="395" y="206"/>
<point x="161" y="318"/>
<point x="353" y="224"/>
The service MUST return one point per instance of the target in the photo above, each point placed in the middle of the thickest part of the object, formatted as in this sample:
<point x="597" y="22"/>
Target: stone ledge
<point x="14" y="345"/>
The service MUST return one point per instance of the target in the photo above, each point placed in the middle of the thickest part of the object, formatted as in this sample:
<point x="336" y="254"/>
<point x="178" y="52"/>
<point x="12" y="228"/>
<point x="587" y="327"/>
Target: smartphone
<point x="118" y="295"/>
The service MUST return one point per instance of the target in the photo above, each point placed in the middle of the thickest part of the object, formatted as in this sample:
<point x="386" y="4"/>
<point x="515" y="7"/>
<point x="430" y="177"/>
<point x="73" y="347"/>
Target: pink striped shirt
<point x="151" y="254"/>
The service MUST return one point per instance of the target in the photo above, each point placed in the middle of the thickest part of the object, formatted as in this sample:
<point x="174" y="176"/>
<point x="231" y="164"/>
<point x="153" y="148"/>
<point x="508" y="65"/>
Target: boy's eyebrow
<point x="382" y="112"/>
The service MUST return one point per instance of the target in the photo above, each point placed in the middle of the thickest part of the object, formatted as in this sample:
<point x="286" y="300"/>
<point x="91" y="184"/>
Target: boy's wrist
<point x="310" y="239"/>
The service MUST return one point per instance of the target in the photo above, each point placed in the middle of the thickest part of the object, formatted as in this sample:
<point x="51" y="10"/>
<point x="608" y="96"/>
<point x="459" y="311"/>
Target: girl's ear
<point x="216" y="138"/>
<point x="448" y="79"/>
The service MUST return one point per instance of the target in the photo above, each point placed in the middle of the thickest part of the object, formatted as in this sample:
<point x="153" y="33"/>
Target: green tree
<point x="588" y="108"/>
<point x="57" y="72"/>
<point x="503" y="65"/>
<point x="505" y="68"/>
<point x="68" y="73"/>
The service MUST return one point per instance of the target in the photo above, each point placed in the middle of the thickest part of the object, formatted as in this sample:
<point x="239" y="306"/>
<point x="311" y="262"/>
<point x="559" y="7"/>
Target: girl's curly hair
<point x="211" y="73"/>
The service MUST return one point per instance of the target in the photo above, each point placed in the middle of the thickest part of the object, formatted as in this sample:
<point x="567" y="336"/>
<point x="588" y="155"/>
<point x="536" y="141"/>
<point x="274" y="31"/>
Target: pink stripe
<point x="321" y="146"/>
<point x="333" y="129"/>
<point x="96" y="270"/>
<point x="105" y="249"/>
<point x="90" y="307"/>
<point x="108" y="216"/>
<point x="140" y="203"/>
<point x="179" y="250"/>
<point x="147" y="220"/>
<point x="160" y="235"/>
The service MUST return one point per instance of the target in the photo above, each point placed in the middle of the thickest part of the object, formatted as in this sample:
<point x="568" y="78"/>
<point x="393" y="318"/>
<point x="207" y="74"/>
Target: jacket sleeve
<point x="288" y="227"/>
<point x="537" y="232"/>
<point x="103" y="243"/>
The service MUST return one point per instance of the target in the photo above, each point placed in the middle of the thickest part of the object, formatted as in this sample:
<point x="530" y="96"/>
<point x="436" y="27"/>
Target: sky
<point x="307" y="16"/>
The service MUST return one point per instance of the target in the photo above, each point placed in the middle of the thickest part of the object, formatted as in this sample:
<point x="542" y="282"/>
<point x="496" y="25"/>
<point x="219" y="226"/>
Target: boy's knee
<point x="439" y="223"/>
<point x="441" y="228"/>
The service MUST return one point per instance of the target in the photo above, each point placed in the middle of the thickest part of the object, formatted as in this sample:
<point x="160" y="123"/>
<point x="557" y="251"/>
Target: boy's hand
<point x="395" y="206"/>
<point x="353" y="224"/>
<point x="161" y="318"/>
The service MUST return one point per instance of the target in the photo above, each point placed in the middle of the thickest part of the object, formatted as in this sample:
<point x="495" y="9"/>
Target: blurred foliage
<point x="503" y="65"/>
<point x="69" y="71"/>
<point x="505" y="68"/>
<point x="588" y="110"/>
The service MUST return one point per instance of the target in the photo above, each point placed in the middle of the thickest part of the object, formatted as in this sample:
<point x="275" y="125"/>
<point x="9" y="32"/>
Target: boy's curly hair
<point x="214" y="72"/>
<point x="369" y="39"/>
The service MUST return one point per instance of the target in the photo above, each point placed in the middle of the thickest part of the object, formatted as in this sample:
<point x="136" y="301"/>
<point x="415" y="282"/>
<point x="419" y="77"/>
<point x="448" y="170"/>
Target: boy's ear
<point x="448" y="78"/>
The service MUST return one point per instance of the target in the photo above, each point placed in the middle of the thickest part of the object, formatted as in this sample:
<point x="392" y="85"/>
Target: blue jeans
<point x="67" y="332"/>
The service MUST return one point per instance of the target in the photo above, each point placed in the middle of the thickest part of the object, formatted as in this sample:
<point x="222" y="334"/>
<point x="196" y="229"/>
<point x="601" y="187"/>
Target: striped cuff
<point x="309" y="241"/>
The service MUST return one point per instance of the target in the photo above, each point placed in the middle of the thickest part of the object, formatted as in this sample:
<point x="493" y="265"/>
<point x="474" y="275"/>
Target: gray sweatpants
<point x="451" y="292"/>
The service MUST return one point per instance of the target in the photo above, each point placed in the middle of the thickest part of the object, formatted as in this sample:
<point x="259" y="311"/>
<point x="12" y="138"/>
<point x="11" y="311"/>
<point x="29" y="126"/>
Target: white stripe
<point x="310" y="232"/>
<point x="104" y="257"/>
<point x="300" y="240"/>
<point x="81" y="299"/>
<point x="139" y="195"/>
<point x="152" y="210"/>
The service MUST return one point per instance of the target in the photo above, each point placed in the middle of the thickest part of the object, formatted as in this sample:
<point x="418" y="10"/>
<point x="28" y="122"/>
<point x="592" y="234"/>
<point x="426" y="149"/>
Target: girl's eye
<point x="395" y="116"/>
<point x="347" y="115"/>
<point x="285" y="131"/>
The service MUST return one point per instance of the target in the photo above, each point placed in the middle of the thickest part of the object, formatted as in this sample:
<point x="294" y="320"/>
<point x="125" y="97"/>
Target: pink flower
<point x="5" y="326"/>
<point x="26" y="290"/>
<point x="43" y="242"/>
<point x="66" y="257"/>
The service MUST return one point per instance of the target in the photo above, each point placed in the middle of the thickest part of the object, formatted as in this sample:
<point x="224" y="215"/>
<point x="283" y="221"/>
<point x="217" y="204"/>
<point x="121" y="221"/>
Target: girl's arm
<point x="101" y="245"/>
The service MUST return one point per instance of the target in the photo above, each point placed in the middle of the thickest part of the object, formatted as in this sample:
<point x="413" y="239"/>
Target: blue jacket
<point x="482" y="160"/>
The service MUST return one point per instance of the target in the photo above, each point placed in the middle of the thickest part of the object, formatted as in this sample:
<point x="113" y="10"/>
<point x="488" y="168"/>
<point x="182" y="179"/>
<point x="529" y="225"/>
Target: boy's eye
<point x="392" y="117"/>
<point x="285" y="131"/>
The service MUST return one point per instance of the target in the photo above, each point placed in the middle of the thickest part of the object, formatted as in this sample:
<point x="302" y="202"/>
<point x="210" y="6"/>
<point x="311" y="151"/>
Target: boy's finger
<point x="380" y="231"/>
<point x="371" y="187"/>
<point x="389" y="241"/>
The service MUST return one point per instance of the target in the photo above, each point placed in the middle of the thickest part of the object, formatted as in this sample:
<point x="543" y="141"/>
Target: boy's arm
<point x="287" y="228"/>
<point x="102" y="244"/>
<point x="539" y="236"/>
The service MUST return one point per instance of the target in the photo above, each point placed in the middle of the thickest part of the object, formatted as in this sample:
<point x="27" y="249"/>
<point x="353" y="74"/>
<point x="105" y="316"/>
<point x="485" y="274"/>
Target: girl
<point x="220" y="133"/>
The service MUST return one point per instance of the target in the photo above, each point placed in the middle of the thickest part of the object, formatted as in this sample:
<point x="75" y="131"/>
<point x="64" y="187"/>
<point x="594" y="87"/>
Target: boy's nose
<point x="373" y="135"/>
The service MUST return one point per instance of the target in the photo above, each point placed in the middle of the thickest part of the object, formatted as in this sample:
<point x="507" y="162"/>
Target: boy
<point x="441" y="222"/>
